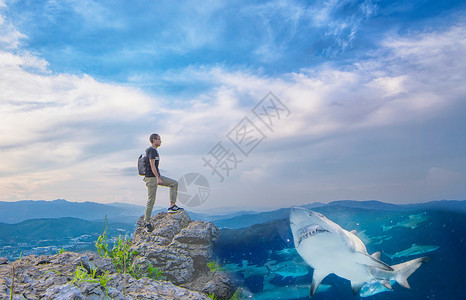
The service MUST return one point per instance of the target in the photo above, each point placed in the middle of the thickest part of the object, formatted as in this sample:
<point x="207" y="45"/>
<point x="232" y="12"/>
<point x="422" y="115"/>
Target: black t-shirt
<point x="152" y="153"/>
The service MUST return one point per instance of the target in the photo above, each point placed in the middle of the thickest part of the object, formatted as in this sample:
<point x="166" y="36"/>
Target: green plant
<point x="154" y="272"/>
<point x="53" y="271"/>
<point x="213" y="266"/>
<point x="236" y="295"/>
<point x="212" y="296"/>
<point x="104" y="279"/>
<point x="12" y="287"/>
<point x="122" y="256"/>
<point x="61" y="250"/>
<point x="82" y="275"/>
<point x="101" y="244"/>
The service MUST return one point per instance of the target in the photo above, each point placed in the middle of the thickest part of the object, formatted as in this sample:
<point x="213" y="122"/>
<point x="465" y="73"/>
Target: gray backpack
<point x="142" y="165"/>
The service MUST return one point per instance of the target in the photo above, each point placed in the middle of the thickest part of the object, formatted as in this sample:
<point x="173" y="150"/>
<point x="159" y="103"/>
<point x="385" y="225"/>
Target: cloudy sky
<point x="276" y="103"/>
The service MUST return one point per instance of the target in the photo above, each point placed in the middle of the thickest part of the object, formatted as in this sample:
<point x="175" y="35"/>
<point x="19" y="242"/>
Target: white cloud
<point x="388" y="91"/>
<point x="34" y="103"/>
<point x="9" y="37"/>
<point x="383" y="91"/>
<point x="48" y="122"/>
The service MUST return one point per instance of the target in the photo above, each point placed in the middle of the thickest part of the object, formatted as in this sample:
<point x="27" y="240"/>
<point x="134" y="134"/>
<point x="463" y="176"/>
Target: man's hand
<point x="159" y="180"/>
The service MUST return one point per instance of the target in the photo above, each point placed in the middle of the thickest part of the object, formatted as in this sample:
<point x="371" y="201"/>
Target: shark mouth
<point x="308" y="231"/>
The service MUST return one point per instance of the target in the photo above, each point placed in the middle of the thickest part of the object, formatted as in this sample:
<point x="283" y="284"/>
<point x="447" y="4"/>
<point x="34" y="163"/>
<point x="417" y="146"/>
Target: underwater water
<point x="266" y="265"/>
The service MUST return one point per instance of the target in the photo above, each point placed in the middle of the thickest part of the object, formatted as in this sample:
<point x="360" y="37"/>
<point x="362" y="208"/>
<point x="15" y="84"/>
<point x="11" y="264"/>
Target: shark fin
<point x="316" y="280"/>
<point x="356" y="287"/>
<point x="366" y="259"/>
<point x="386" y="284"/>
<point x="404" y="270"/>
<point x="376" y="255"/>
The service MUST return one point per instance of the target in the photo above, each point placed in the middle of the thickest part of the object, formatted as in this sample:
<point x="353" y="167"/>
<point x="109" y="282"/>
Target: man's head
<point x="155" y="140"/>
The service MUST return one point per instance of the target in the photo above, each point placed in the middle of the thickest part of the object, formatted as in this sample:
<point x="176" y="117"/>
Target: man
<point x="153" y="179"/>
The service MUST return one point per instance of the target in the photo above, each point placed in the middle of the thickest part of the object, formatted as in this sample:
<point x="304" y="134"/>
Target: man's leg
<point x="151" y="183"/>
<point x="173" y="185"/>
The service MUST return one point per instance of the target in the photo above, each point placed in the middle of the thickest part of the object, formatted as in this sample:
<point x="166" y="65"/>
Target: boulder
<point x="181" y="248"/>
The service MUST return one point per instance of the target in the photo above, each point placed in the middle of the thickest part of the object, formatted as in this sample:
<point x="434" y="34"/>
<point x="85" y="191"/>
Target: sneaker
<point x="174" y="209"/>
<point x="148" y="227"/>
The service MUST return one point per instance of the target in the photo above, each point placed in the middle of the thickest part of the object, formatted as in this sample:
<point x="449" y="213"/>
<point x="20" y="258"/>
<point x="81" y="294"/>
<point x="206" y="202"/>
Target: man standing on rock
<point x="153" y="179"/>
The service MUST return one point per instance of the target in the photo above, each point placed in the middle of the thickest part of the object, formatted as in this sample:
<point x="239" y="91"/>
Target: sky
<point x="259" y="104"/>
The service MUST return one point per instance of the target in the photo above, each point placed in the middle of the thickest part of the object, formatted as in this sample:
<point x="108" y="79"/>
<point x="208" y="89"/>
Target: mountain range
<point x="15" y="212"/>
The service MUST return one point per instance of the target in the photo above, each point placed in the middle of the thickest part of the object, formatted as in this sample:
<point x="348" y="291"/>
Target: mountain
<point x="56" y="229"/>
<point x="47" y="236"/>
<point x="444" y="205"/>
<point x="372" y="204"/>
<point x="14" y="212"/>
<point x="242" y="221"/>
<point x="447" y="205"/>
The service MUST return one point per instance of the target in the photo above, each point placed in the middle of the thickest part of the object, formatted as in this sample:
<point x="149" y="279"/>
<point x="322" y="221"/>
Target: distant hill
<point x="447" y="205"/>
<point x="250" y="219"/>
<point x="57" y="229"/>
<point x="15" y="212"/>
<point x="372" y="204"/>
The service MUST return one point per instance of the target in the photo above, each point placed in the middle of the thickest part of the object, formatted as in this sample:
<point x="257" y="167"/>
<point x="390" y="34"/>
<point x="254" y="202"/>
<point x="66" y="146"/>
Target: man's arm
<point x="154" y="170"/>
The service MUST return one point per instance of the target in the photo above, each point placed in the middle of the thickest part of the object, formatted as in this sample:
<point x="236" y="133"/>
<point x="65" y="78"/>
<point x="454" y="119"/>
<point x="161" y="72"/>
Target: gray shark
<point x="374" y="240"/>
<point x="412" y="222"/>
<point x="328" y="249"/>
<point x="414" y="250"/>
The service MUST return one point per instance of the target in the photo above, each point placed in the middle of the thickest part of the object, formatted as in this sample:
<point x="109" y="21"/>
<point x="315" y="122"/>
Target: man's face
<point x="158" y="141"/>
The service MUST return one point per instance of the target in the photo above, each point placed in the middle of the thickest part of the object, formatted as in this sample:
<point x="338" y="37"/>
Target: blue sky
<point x="374" y="92"/>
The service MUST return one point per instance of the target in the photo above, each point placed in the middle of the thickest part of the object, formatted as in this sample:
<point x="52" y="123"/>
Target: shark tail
<point x="404" y="270"/>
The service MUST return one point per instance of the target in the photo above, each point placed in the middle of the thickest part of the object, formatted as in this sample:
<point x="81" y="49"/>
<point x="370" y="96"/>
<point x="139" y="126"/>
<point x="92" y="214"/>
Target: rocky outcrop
<point x="181" y="249"/>
<point x="50" y="277"/>
<point x="178" y="247"/>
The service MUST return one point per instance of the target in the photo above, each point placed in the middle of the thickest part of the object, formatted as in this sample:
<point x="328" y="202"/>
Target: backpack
<point x="142" y="165"/>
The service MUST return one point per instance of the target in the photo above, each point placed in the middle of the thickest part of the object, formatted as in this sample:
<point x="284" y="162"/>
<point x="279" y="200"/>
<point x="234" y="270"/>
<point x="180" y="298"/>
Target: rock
<point x="64" y="292"/>
<point x="181" y="249"/>
<point x="91" y="261"/>
<point x="217" y="283"/>
<point x="178" y="247"/>
<point x="50" y="277"/>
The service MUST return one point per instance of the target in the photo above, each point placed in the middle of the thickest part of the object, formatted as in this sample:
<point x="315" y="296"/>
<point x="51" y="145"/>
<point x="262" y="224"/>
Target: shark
<point x="328" y="248"/>
<point x="412" y="222"/>
<point x="289" y="269"/>
<point x="285" y="268"/>
<point x="414" y="250"/>
<point x="374" y="240"/>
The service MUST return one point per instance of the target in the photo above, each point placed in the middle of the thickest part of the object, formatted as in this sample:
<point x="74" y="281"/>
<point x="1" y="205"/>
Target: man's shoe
<point x="148" y="227"/>
<point x="174" y="209"/>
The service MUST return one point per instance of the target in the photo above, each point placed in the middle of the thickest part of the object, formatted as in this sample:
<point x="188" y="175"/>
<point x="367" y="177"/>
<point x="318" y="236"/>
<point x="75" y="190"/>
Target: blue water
<point x="265" y="264"/>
